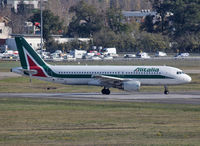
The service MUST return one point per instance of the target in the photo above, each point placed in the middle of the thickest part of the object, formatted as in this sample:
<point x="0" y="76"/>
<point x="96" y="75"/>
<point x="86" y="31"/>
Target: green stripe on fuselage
<point x="117" y="76"/>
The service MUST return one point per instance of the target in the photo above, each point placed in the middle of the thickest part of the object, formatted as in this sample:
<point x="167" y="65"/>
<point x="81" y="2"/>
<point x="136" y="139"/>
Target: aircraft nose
<point x="188" y="79"/>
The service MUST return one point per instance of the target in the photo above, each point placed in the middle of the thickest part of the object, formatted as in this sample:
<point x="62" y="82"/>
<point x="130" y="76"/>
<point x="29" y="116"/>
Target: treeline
<point x="175" y="28"/>
<point x="105" y="28"/>
<point x="179" y="20"/>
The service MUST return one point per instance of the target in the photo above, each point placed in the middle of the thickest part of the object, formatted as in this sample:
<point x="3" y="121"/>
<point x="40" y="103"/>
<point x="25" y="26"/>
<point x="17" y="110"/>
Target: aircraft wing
<point x="110" y="81"/>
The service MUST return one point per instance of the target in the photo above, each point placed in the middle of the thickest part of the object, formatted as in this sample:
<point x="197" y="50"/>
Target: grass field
<point x="60" y="122"/>
<point x="27" y="121"/>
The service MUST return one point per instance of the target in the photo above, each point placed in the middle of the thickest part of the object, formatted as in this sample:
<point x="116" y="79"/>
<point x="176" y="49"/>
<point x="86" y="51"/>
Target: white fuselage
<point x="146" y="75"/>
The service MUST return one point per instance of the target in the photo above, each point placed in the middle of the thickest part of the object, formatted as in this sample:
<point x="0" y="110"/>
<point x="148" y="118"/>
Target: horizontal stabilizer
<point x="32" y="72"/>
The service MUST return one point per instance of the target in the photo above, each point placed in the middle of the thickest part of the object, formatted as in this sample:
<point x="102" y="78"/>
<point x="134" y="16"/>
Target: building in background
<point x="5" y="30"/>
<point x="35" y="4"/>
<point x="138" y="16"/>
<point x="34" y="40"/>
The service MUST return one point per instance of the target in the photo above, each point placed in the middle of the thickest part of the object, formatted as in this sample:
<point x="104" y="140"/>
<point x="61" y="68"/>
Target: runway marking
<point x="79" y="128"/>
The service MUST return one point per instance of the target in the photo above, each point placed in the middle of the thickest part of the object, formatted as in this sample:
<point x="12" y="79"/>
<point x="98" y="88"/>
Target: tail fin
<point x="29" y="59"/>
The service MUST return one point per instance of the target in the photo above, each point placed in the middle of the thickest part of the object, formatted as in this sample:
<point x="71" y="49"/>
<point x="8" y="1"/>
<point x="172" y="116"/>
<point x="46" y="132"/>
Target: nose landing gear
<point x="166" y="90"/>
<point x="105" y="91"/>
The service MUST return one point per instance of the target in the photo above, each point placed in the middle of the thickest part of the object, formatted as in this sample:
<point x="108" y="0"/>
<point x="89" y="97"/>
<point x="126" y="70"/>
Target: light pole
<point x="41" y="27"/>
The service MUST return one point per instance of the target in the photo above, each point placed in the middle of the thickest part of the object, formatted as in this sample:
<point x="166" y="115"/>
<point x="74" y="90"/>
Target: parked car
<point x="58" y="52"/>
<point x="160" y="54"/>
<point x="69" y="57"/>
<point x="95" y="58"/>
<point x="56" y="57"/>
<point x="10" y="56"/>
<point x="182" y="55"/>
<point x="107" y="51"/>
<point x="108" y="58"/>
<point x="88" y="55"/>
<point x="113" y="55"/>
<point x="1" y="55"/>
<point x="129" y="56"/>
<point x="142" y="55"/>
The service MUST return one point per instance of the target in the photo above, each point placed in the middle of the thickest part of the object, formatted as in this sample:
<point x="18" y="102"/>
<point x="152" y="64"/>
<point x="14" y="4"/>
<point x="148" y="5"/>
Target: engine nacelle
<point x="131" y="86"/>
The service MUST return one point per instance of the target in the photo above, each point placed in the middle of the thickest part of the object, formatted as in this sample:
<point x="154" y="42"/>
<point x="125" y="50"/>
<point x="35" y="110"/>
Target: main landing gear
<point x="166" y="90"/>
<point x="105" y="91"/>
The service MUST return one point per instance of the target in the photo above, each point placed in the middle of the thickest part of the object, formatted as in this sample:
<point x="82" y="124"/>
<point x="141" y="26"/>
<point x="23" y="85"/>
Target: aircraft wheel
<point x="107" y="91"/>
<point x="166" y="92"/>
<point x="103" y="91"/>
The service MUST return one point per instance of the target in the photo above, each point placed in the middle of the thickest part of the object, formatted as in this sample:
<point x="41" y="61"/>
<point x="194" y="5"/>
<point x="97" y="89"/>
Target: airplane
<point x="128" y="78"/>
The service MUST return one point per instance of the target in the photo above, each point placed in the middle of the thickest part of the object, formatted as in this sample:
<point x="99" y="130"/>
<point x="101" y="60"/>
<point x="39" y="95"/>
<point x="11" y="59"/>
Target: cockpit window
<point x="179" y="72"/>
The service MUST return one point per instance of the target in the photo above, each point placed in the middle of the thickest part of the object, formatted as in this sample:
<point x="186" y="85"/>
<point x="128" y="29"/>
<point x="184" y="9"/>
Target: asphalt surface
<point x="173" y="98"/>
<point x="8" y="74"/>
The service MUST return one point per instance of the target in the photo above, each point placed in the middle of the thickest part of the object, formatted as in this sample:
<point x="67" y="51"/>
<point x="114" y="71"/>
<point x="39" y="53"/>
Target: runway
<point x="173" y="98"/>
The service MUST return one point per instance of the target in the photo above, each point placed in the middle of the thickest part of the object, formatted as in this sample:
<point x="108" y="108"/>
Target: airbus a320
<point x="128" y="78"/>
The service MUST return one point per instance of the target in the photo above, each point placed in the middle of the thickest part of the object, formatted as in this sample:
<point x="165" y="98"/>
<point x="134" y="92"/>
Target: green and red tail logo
<point x="29" y="59"/>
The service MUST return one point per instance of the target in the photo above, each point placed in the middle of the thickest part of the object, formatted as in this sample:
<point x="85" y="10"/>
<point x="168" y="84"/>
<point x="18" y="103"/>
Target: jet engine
<point x="131" y="86"/>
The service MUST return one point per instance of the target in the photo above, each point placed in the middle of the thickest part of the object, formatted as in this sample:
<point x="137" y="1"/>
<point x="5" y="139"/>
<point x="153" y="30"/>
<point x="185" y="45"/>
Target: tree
<point x="180" y="19"/>
<point x="152" y="42"/>
<point x="105" y="38"/>
<point x="85" y="22"/>
<point x="188" y="43"/>
<point x="51" y="24"/>
<point x="186" y="16"/>
<point x="126" y="43"/>
<point x="162" y="7"/>
<point x="115" y="20"/>
<point x="148" y="25"/>
<point x="53" y="45"/>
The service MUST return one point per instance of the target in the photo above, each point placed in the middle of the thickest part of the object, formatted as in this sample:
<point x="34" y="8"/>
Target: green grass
<point x="22" y="84"/>
<point x="5" y="66"/>
<point x="26" y="121"/>
<point x="61" y="122"/>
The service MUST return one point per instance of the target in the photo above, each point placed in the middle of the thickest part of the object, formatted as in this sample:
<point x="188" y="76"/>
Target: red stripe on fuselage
<point x="33" y="66"/>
